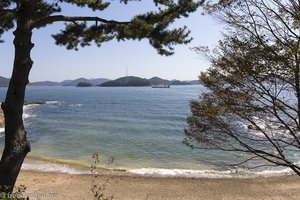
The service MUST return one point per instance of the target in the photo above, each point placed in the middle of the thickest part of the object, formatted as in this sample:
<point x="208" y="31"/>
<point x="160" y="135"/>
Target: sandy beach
<point x="126" y="186"/>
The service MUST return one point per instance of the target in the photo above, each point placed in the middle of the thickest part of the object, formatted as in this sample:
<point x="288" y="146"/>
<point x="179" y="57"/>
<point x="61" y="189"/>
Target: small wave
<point x="43" y="166"/>
<point x="25" y="115"/>
<point x="75" y="105"/>
<point x="28" y="106"/>
<point x="269" y="173"/>
<point x="52" y="102"/>
<point x="182" y="173"/>
<point x="52" y="167"/>
<point x="26" y="109"/>
<point x="209" y="173"/>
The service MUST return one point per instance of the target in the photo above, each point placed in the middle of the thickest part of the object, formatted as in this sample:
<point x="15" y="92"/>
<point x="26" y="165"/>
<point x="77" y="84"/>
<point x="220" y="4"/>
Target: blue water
<point x="140" y="127"/>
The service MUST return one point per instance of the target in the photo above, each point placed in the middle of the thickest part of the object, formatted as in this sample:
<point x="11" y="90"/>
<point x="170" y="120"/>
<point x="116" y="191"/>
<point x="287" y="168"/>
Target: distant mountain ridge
<point x="75" y="82"/>
<point x="5" y="81"/>
<point x="45" y="83"/>
<point x="123" y="81"/>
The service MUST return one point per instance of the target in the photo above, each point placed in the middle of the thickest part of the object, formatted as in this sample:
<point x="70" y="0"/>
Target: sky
<point x="56" y="63"/>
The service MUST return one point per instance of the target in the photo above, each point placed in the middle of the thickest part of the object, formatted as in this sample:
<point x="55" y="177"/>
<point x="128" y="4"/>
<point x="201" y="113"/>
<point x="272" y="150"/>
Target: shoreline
<point x="45" y="185"/>
<point x="38" y="164"/>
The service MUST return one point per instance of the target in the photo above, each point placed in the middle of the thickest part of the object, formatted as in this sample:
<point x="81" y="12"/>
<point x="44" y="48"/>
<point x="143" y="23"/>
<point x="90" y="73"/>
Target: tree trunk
<point x="297" y="86"/>
<point x="16" y="144"/>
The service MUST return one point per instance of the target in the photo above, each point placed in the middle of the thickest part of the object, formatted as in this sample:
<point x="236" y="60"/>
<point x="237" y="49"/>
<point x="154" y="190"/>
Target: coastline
<point x="125" y="185"/>
<point x="48" y="165"/>
<point x="45" y="185"/>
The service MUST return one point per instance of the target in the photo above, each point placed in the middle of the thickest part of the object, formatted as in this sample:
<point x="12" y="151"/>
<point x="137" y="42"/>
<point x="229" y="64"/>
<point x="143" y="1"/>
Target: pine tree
<point x="79" y="31"/>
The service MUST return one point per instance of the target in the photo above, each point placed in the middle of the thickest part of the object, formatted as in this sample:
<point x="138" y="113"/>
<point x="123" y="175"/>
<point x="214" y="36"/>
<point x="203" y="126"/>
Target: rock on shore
<point x="25" y="104"/>
<point x="1" y="118"/>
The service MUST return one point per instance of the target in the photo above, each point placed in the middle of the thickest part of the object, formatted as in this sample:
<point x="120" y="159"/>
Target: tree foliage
<point x="83" y="30"/>
<point x="252" y="100"/>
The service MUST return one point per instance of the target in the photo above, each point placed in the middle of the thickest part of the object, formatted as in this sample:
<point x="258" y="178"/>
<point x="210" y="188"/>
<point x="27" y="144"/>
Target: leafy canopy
<point x="83" y="30"/>
<point x="251" y="104"/>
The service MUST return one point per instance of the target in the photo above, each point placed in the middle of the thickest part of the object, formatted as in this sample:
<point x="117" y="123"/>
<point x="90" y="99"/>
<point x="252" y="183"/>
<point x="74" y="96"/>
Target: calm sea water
<point x="142" y="128"/>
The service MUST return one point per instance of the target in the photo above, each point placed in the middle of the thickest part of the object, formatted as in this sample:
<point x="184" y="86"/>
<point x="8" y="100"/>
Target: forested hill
<point x="127" y="81"/>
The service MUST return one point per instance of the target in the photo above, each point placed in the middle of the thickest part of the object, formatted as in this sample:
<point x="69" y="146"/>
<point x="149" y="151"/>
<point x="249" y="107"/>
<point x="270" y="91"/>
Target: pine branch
<point x="5" y="11"/>
<point x="62" y="18"/>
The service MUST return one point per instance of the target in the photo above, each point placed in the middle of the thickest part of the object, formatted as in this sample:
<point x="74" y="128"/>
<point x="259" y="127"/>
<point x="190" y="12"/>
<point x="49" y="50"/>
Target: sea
<point x="139" y="130"/>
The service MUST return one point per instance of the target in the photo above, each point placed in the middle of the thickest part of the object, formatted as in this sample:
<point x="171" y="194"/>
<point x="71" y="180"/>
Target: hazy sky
<point x="55" y="63"/>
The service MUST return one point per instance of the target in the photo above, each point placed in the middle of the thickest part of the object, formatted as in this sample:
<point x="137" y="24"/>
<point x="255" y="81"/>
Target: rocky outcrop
<point x="25" y="104"/>
<point x="1" y="118"/>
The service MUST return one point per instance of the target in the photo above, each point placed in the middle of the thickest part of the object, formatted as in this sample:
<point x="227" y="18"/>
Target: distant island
<point x="84" y="84"/>
<point x="132" y="81"/>
<point x="128" y="81"/>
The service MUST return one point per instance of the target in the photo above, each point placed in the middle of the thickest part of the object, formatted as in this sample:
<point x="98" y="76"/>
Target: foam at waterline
<point x="25" y="110"/>
<point x="52" y="167"/>
<point x="209" y="173"/>
<point x="26" y="115"/>
<point x="182" y="173"/>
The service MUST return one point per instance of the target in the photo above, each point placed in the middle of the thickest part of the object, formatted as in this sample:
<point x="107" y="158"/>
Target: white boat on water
<point x="160" y="86"/>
